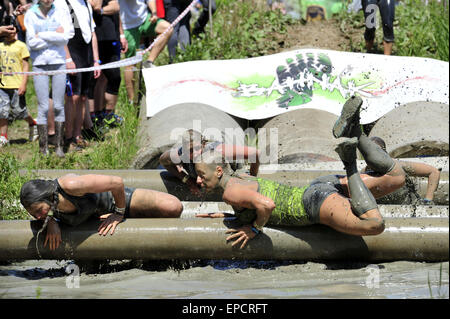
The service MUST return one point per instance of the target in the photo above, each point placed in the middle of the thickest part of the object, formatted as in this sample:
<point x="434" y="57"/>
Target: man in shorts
<point x="139" y="20"/>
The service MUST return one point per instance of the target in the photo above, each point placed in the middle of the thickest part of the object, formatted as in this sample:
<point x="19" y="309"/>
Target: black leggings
<point x="387" y="12"/>
<point x="108" y="51"/>
<point x="82" y="56"/>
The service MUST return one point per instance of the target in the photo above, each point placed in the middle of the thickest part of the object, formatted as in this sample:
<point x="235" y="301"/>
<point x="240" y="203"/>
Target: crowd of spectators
<point x="51" y="35"/>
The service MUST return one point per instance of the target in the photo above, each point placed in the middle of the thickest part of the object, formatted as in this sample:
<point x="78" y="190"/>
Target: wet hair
<point x="213" y="159"/>
<point x="190" y="137"/>
<point x="188" y="140"/>
<point x="379" y="141"/>
<point x="39" y="190"/>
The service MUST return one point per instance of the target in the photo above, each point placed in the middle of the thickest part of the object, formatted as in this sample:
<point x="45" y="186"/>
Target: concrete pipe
<point x="163" y="181"/>
<point x="419" y="239"/>
<point x="303" y="136"/>
<point x="160" y="132"/>
<point x="415" y="129"/>
<point x="191" y="209"/>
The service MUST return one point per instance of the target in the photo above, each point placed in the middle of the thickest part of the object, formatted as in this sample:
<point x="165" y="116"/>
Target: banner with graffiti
<point x="262" y="87"/>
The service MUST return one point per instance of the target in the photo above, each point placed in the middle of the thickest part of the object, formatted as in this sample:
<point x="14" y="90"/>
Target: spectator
<point x="204" y="17"/>
<point x="13" y="58"/>
<point x="19" y="7"/>
<point x="387" y="12"/>
<point x="83" y="51"/>
<point x="5" y="11"/>
<point x="48" y="31"/>
<point x="111" y="42"/>
<point x="182" y="30"/>
<point x="7" y="30"/>
<point x="138" y="22"/>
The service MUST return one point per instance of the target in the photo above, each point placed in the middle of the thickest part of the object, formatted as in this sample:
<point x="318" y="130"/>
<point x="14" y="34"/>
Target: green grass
<point x="10" y="184"/>
<point x="420" y="30"/>
<point x="440" y="287"/>
<point x="241" y="29"/>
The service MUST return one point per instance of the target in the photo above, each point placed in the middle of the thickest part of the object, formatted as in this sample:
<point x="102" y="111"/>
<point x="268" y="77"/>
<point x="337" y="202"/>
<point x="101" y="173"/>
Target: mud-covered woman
<point x="345" y="203"/>
<point x="73" y="199"/>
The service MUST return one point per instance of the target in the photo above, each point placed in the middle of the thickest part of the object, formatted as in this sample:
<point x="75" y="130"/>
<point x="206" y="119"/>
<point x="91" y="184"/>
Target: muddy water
<point x="226" y="279"/>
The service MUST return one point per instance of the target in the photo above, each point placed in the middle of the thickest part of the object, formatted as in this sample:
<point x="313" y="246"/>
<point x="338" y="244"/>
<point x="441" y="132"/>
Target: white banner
<point x="263" y="87"/>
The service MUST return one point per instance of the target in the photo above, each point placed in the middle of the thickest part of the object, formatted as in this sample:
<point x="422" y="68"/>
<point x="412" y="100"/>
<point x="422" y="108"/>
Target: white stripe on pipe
<point x="417" y="229"/>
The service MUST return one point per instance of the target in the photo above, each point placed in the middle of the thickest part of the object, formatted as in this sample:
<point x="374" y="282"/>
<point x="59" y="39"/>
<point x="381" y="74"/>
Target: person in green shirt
<point x="346" y="203"/>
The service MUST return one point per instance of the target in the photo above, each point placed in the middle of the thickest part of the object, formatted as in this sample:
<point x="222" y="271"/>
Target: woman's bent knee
<point x="174" y="208"/>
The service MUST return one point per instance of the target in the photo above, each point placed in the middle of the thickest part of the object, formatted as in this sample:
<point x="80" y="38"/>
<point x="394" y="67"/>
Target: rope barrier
<point x="117" y="64"/>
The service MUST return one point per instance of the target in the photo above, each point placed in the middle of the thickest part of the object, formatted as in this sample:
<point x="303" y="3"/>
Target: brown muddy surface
<point x="226" y="280"/>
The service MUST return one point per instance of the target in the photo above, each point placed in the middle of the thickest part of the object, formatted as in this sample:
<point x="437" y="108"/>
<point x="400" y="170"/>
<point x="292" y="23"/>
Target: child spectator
<point x="13" y="58"/>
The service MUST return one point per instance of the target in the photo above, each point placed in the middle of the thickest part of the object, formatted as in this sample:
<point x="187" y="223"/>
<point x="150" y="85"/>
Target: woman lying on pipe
<point x="72" y="199"/>
<point x="180" y="160"/>
<point x="345" y="203"/>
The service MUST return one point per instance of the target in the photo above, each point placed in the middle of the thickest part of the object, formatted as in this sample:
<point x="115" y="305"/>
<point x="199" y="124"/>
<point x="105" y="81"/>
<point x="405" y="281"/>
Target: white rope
<point x="117" y="64"/>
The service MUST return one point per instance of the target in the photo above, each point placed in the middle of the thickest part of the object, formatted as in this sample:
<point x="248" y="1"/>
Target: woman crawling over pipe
<point x="345" y="203"/>
<point x="179" y="160"/>
<point x="72" y="199"/>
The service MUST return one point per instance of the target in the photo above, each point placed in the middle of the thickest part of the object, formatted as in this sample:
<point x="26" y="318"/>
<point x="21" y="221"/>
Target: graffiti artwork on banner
<point x="263" y="87"/>
<point x="300" y="78"/>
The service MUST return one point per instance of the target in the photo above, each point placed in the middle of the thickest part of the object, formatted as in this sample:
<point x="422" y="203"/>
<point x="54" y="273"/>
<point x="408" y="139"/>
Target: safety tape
<point x="117" y="64"/>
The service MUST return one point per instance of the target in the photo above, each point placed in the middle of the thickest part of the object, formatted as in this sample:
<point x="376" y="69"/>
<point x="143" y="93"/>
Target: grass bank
<point x="420" y="30"/>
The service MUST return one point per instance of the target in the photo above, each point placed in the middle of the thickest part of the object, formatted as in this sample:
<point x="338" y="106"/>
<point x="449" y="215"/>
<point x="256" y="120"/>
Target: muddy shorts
<point x="319" y="189"/>
<point x="107" y="201"/>
<point x="12" y="105"/>
<point x="128" y="194"/>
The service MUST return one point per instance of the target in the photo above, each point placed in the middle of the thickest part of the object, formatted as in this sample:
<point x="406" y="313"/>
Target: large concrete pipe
<point x="415" y="129"/>
<point x="303" y="136"/>
<point x="191" y="209"/>
<point x="163" y="181"/>
<point x="160" y="132"/>
<point x="421" y="239"/>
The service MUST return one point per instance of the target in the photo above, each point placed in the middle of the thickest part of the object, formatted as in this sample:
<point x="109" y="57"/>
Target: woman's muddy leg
<point x="362" y="199"/>
<point x="336" y="212"/>
<point x="147" y="203"/>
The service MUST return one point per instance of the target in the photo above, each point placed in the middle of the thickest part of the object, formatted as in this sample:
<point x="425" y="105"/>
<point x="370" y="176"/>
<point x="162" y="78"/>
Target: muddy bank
<point x="227" y="279"/>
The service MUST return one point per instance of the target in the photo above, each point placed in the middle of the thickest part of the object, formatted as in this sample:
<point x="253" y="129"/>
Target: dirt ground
<point x="317" y="34"/>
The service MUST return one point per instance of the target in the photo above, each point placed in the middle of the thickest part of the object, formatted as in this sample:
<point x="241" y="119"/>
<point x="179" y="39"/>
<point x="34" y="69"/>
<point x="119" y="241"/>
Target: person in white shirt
<point x="48" y="31"/>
